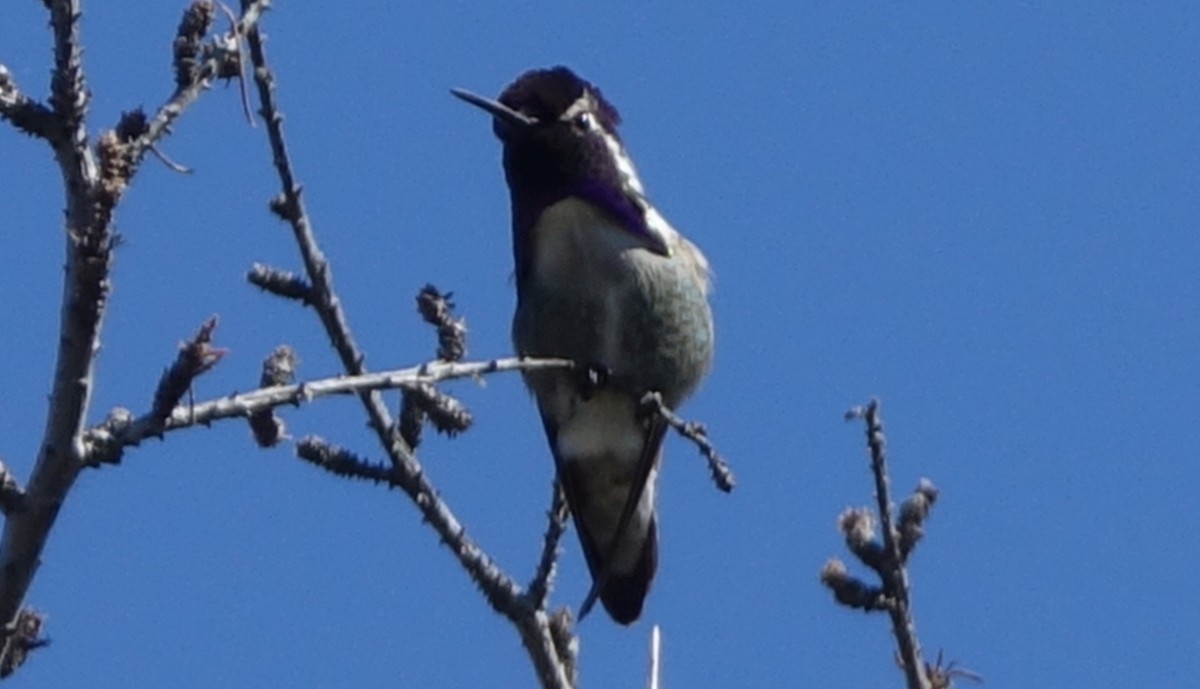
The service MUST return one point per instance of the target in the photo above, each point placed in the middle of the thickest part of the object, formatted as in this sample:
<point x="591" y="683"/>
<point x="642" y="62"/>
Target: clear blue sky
<point x="986" y="215"/>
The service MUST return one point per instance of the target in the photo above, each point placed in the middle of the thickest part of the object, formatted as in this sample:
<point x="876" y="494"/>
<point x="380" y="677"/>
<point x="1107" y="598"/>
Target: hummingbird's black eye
<point x="583" y="121"/>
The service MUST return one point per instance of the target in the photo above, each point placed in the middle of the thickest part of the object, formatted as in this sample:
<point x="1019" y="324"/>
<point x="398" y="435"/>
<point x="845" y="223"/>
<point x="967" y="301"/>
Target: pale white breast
<point x="573" y="239"/>
<point x="581" y="250"/>
<point x="605" y="426"/>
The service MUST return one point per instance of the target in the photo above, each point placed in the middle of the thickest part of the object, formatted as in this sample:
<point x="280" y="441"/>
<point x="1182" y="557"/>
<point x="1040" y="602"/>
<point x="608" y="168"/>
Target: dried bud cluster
<point x="341" y="462"/>
<point x="189" y="39"/>
<point x="279" y="368"/>
<point x="913" y="513"/>
<point x="447" y="414"/>
<point x="422" y="401"/>
<point x="116" y="168"/>
<point x="281" y="283"/>
<point x="851" y="591"/>
<point x="858" y="525"/>
<point x="410" y="420"/>
<point x="438" y="310"/>
<point x="195" y="357"/>
<point x="26" y="636"/>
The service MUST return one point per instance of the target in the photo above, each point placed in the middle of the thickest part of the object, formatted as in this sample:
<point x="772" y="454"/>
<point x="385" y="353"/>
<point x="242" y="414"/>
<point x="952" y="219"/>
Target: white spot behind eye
<point x="580" y="107"/>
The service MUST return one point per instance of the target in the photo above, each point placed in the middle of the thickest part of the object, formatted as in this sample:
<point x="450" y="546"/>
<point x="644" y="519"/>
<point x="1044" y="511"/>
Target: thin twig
<point x="722" y="474"/>
<point x="556" y="525"/>
<point x="290" y="206"/>
<point x="171" y="164"/>
<point x="103" y="444"/>
<point x="238" y="63"/>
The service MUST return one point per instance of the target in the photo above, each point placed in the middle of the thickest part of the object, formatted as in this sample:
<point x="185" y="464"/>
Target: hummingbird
<point x="604" y="280"/>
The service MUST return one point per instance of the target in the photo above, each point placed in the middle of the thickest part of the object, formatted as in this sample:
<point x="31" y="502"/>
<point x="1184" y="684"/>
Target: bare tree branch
<point x="550" y="640"/>
<point x="85" y="292"/>
<point x="104" y="444"/>
<point x="93" y="184"/>
<point x="888" y="558"/>
<point x="895" y="575"/>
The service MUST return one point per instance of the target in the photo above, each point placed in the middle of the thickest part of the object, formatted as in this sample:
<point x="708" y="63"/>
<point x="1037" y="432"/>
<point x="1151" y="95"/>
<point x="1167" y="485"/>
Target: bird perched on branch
<point x="603" y="280"/>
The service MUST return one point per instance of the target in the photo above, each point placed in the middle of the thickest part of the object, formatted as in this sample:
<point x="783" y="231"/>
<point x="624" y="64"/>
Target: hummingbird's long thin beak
<point x="496" y="109"/>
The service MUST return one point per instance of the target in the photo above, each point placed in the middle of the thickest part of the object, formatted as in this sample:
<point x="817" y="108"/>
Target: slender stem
<point x="894" y="574"/>
<point x="104" y="443"/>
<point x="539" y="587"/>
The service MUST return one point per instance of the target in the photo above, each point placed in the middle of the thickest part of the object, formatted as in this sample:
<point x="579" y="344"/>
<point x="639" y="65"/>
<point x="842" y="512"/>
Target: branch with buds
<point x="94" y="179"/>
<point x="888" y="558"/>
